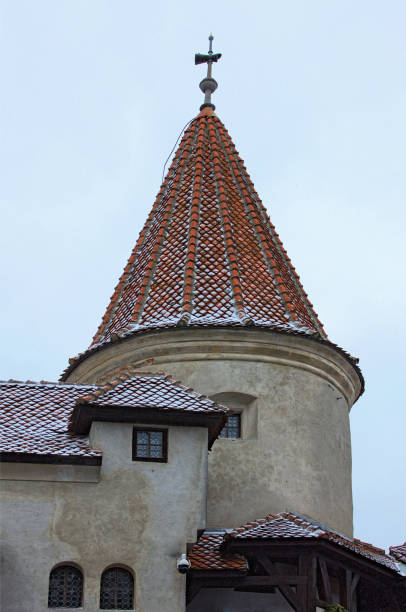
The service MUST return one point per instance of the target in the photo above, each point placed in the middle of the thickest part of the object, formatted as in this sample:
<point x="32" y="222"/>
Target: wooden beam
<point x="348" y="592"/>
<point x="326" y="580"/>
<point x="301" y="589"/>
<point x="354" y="584"/>
<point x="276" y="580"/>
<point x="351" y="583"/>
<point x="289" y="594"/>
<point x="309" y="564"/>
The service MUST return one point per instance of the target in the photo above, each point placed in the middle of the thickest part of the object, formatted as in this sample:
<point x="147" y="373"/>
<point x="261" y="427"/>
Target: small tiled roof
<point x="287" y="525"/>
<point x="206" y="555"/>
<point x="34" y="420"/>
<point x="148" y="397"/>
<point x="399" y="552"/>
<point x="134" y="388"/>
<point x="208" y="255"/>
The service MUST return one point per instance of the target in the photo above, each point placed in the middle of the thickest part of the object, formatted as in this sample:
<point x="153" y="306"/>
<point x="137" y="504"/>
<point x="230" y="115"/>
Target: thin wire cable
<point x="173" y="148"/>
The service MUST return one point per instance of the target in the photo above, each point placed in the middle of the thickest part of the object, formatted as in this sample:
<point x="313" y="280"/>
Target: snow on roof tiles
<point x="208" y="252"/>
<point x="399" y="552"/>
<point x="290" y="525"/>
<point x="137" y="389"/>
<point x="34" y="419"/>
<point x="210" y="551"/>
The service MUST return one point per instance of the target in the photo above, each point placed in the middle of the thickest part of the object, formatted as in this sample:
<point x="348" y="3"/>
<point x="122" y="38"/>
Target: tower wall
<point x="295" y="451"/>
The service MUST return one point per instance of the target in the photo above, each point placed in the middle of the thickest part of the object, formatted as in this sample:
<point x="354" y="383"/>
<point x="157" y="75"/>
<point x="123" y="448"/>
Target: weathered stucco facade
<point x="134" y="514"/>
<point x="295" y="450"/>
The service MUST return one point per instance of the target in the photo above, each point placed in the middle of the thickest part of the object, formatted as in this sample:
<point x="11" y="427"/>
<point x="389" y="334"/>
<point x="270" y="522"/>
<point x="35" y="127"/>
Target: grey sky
<point x="313" y="94"/>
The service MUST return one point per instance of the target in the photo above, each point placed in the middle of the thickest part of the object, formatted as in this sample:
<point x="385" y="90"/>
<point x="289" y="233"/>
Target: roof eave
<point x="84" y="414"/>
<point x="11" y="457"/>
<point x="239" y="546"/>
<point x="93" y="349"/>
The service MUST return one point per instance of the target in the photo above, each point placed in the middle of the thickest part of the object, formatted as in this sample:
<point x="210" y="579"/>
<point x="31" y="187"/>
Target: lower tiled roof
<point x="34" y="419"/>
<point x="211" y="550"/>
<point x="205" y="554"/>
<point x="288" y="525"/>
<point x="399" y="552"/>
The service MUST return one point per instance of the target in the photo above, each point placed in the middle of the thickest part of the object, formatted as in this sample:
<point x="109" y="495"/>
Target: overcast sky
<point x="94" y="95"/>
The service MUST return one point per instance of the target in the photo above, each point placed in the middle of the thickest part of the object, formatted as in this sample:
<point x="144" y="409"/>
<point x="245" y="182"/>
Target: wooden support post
<point x="308" y="567"/>
<point x="326" y="581"/>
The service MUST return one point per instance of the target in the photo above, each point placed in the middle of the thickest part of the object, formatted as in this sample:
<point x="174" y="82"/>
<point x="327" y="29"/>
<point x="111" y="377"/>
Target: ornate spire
<point x="208" y="85"/>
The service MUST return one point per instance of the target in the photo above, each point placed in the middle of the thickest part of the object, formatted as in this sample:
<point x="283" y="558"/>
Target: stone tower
<point x="210" y="296"/>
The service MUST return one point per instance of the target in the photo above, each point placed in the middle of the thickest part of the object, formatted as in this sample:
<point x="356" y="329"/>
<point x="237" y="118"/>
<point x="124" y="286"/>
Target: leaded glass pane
<point x="231" y="428"/>
<point x="155" y="437"/>
<point x="155" y="451"/>
<point x="142" y="437"/>
<point x="65" y="587"/>
<point x="142" y="450"/>
<point x="117" y="590"/>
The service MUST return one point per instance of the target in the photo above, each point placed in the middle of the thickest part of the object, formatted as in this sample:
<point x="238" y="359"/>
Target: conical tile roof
<point x="208" y="254"/>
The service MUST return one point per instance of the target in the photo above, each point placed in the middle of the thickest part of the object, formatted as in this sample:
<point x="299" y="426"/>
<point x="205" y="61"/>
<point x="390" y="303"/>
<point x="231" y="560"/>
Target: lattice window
<point x="232" y="427"/>
<point x="117" y="589"/>
<point x="65" y="587"/>
<point x="150" y="444"/>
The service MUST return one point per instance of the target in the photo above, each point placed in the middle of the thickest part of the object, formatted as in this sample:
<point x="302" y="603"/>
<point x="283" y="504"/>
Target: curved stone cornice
<point x="160" y="349"/>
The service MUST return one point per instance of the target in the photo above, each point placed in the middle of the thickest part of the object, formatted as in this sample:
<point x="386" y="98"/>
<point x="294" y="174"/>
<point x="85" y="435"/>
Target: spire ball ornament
<point x="208" y="85"/>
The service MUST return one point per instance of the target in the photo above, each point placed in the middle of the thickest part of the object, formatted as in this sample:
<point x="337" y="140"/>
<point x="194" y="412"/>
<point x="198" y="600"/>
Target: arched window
<point x="65" y="587"/>
<point x="117" y="589"/>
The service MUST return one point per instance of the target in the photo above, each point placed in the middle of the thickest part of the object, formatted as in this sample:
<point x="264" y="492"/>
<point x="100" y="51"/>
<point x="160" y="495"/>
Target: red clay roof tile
<point x="399" y="552"/>
<point x="134" y="388"/>
<point x="290" y="525"/>
<point x="34" y="419"/>
<point x="208" y="231"/>
<point x="210" y="551"/>
<point x="206" y="555"/>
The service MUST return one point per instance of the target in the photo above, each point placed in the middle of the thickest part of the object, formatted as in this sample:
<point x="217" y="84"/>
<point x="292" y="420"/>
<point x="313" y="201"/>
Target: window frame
<point x="225" y="427"/>
<point x="115" y="568"/>
<point x="164" y="432"/>
<point x="66" y="567"/>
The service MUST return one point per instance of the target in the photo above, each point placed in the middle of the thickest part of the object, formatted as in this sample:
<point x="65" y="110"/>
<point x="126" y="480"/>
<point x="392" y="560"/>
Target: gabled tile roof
<point x="34" y="420"/>
<point x="399" y="552"/>
<point x="287" y="525"/>
<point x="144" y="397"/>
<point x="208" y="254"/>
<point x="206" y="555"/>
<point x="135" y="388"/>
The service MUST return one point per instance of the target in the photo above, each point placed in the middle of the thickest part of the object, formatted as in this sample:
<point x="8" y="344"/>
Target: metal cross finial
<point x="208" y="85"/>
<point x="210" y="43"/>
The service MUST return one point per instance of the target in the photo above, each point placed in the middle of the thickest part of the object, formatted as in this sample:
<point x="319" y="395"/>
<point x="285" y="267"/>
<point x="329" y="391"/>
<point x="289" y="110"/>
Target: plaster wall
<point x="298" y="456"/>
<point x="139" y="515"/>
